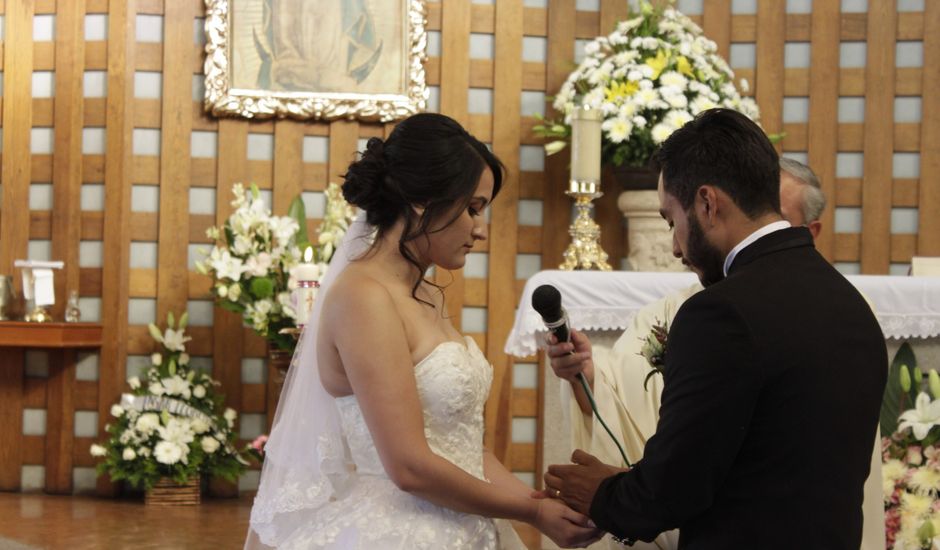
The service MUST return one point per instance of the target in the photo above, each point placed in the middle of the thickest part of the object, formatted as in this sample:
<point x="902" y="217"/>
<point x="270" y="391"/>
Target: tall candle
<point x="303" y="296"/>
<point x="586" y="144"/>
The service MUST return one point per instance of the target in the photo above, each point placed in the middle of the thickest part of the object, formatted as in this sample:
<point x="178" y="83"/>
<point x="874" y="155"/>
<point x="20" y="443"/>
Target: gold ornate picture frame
<point x="316" y="59"/>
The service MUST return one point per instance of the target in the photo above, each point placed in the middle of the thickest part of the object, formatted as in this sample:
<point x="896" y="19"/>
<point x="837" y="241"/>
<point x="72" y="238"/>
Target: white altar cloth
<point x="906" y="307"/>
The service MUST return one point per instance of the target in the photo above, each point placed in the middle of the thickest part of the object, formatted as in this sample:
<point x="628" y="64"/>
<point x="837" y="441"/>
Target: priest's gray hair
<point x="814" y="201"/>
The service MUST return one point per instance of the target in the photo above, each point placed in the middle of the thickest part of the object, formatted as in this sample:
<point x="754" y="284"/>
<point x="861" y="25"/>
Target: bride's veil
<point x="306" y="461"/>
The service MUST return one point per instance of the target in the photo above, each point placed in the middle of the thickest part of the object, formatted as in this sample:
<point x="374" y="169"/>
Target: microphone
<point x="546" y="300"/>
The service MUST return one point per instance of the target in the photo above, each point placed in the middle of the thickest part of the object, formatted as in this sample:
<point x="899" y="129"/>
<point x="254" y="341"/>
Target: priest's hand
<point x="577" y="483"/>
<point x="571" y="358"/>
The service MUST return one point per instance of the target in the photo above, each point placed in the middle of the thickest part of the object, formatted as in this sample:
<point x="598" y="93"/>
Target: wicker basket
<point x="168" y="492"/>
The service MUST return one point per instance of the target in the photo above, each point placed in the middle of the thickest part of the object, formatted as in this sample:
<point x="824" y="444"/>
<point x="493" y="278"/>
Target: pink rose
<point x="258" y="443"/>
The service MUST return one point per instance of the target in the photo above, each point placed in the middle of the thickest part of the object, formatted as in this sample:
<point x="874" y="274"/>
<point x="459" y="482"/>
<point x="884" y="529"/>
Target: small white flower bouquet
<point x="172" y="424"/>
<point x="648" y="78"/>
<point x="251" y="262"/>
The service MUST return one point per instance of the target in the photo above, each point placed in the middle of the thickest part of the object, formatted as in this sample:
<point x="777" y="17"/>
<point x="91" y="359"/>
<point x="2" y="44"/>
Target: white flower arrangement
<point x="648" y="78"/>
<point x="172" y="424"/>
<point x="254" y="254"/>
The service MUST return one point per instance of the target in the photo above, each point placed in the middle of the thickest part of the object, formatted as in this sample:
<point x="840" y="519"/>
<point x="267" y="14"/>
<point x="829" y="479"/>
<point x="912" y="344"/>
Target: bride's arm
<point x="368" y="333"/>
<point x="500" y="476"/>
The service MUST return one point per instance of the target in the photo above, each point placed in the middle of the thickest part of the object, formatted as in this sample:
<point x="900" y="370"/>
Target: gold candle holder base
<point x="585" y="250"/>
<point x="38" y="315"/>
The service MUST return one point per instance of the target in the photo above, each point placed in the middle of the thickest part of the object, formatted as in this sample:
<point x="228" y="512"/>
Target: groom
<point x="774" y="373"/>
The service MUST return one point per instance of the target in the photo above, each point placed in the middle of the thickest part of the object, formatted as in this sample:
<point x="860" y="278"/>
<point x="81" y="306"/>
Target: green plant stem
<point x="590" y="396"/>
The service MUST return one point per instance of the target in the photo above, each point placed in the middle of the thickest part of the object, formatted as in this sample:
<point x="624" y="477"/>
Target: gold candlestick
<point x="585" y="251"/>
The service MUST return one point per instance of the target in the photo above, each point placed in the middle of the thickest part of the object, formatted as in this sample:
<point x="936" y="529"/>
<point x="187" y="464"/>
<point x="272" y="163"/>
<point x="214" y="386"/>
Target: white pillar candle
<point x="586" y="145"/>
<point x="306" y="275"/>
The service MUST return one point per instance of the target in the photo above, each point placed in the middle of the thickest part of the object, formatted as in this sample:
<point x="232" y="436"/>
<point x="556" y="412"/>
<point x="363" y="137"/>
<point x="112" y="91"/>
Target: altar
<point x="604" y="304"/>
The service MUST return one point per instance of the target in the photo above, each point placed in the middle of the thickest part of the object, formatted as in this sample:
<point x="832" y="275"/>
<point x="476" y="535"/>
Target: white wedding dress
<point x="453" y="384"/>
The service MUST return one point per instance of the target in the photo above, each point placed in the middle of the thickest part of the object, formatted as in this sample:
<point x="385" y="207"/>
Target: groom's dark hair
<point x="724" y="148"/>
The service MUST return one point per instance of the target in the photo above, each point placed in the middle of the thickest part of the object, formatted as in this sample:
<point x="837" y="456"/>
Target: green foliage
<point x="896" y="400"/>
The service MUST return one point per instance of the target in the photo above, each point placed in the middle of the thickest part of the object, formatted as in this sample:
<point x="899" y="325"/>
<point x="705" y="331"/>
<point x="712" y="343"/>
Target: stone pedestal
<point x="648" y="234"/>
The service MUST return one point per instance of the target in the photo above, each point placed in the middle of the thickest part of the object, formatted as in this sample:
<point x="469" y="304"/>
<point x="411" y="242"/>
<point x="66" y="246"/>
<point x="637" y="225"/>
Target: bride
<point x="378" y="439"/>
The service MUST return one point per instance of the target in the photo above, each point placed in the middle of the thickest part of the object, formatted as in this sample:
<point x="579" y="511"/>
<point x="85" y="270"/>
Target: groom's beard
<point x="703" y="255"/>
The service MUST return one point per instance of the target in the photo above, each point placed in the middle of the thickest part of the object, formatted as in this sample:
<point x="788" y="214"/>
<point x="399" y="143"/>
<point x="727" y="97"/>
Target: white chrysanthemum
<point x="925" y="481"/>
<point x="640" y="121"/>
<point x="199" y="425"/>
<point x="619" y="130"/>
<point x="893" y="469"/>
<point x="674" y="79"/>
<point x="133" y="382"/>
<point x="243" y="244"/>
<point x="199" y="392"/>
<point x="129" y="454"/>
<point x="915" y="505"/>
<point x="628" y="109"/>
<point x="677" y="119"/>
<point x="167" y="453"/>
<point x="127" y="436"/>
<point x="677" y="100"/>
<point x="661" y="132"/>
<point x="209" y="444"/>
<point x="143" y="451"/>
<point x="147" y="423"/>
<point x="230" y="414"/>
<point x="701" y="103"/>
<point x="156" y="388"/>
<point x="156" y="359"/>
<point x="234" y="292"/>
<point x="634" y="75"/>
<point x="98" y="450"/>
<point x="184" y="359"/>
<point x="646" y="97"/>
<point x="117" y="410"/>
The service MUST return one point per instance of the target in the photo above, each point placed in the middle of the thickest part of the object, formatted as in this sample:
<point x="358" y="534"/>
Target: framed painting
<point x="316" y="59"/>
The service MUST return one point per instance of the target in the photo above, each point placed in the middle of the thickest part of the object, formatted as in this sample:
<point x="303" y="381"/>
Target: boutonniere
<point x="654" y="350"/>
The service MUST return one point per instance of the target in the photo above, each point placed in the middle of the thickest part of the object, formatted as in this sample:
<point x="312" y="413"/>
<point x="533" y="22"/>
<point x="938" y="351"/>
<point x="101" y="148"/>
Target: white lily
<point x="922" y="418"/>
<point x="174" y="340"/>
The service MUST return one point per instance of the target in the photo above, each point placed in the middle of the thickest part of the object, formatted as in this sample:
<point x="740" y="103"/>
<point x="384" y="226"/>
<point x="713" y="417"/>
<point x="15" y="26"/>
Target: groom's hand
<point x="576" y="484"/>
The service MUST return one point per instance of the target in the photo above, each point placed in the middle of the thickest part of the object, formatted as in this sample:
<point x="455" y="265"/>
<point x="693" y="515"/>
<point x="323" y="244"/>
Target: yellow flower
<point x="620" y="90"/>
<point x="684" y="67"/>
<point x="658" y="63"/>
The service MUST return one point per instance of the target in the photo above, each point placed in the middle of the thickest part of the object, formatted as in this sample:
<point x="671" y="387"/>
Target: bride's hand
<point x="564" y="526"/>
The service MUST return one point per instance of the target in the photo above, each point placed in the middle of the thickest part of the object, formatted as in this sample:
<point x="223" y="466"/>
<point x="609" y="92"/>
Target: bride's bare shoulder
<point x="356" y="289"/>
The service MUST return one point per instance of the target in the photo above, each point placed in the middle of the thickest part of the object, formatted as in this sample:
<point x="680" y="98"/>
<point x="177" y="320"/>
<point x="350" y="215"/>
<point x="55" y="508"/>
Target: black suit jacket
<point x="772" y="390"/>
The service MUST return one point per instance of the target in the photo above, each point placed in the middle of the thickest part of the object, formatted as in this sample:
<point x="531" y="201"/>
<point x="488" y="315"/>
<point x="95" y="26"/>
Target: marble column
<point x="648" y="234"/>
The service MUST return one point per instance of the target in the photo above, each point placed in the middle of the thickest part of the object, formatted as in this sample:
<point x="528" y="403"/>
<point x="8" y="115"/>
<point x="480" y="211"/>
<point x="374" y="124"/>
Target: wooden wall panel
<point x="175" y="136"/>
<point x="928" y="237"/>
<point x="14" y="224"/>
<point x="118" y="171"/>
<point x="504" y="225"/>
<point x="823" y="111"/>
<point x="455" y="83"/>
<point x="879" y="138"/>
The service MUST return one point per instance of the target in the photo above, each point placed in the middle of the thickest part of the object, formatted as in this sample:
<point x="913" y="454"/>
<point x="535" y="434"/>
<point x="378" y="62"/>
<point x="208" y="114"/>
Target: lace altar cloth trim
<point x="906" y="307"/>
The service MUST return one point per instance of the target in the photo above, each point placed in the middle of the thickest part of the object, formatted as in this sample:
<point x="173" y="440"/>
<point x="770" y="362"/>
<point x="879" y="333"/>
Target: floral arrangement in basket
<point x="255" y="252"/>
<point x="648" y="78"/>
<point x="911" y="455"/>
<point x="172" y="424"/>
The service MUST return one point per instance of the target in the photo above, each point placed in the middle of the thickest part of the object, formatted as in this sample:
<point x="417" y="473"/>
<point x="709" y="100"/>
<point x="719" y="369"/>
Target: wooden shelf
<point x="18" y="334"/>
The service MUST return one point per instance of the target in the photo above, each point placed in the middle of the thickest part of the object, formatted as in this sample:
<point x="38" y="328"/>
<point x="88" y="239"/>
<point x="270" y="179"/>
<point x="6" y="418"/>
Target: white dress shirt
<point x="766" y="230"/>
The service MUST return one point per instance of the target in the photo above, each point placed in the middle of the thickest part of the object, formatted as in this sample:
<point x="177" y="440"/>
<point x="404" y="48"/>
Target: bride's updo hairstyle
<point x="428" y="161"/>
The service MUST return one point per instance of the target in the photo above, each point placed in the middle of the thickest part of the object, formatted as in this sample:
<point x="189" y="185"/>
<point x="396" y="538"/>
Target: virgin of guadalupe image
<point x="321" y="46"/>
